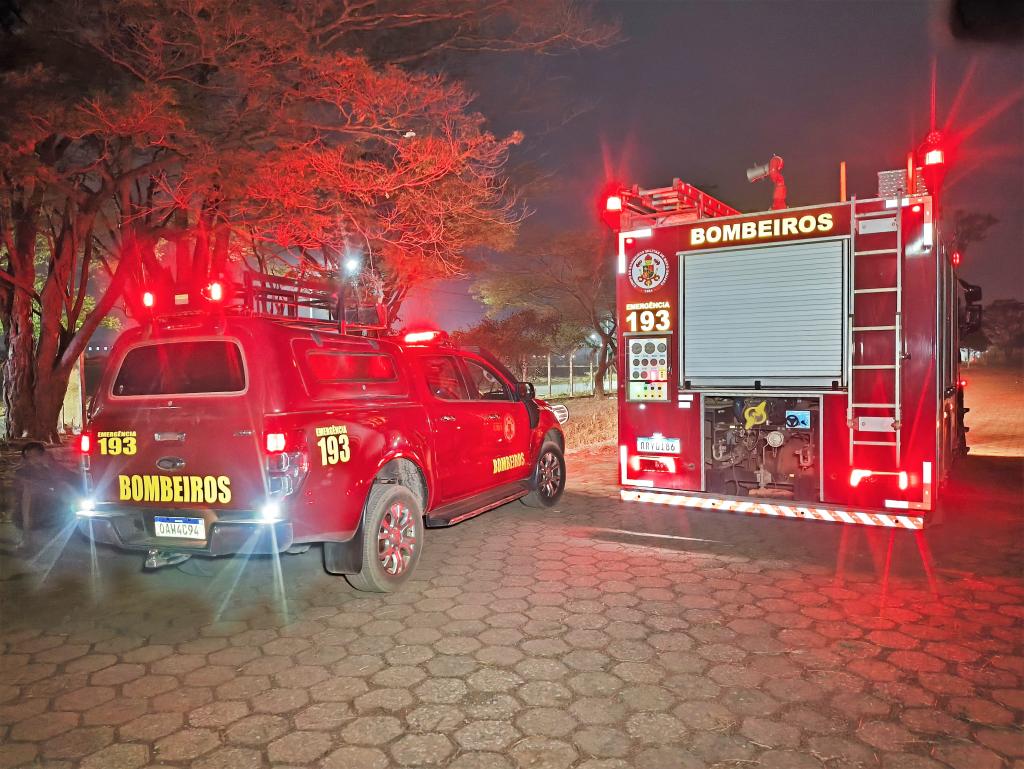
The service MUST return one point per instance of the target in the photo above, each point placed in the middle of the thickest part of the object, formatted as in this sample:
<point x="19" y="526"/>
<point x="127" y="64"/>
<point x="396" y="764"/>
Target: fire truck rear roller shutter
<point x="773" y="314"/>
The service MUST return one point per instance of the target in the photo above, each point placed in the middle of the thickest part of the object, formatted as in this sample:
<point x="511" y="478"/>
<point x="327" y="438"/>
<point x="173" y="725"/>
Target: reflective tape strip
<point x="831" y="515"/>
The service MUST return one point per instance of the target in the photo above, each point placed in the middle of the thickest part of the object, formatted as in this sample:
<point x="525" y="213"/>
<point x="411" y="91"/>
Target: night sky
<point x="704" y="90"/>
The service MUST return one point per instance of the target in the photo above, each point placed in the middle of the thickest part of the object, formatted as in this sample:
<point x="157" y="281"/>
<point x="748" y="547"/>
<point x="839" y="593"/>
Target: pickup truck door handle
<point x="447" y="418"/>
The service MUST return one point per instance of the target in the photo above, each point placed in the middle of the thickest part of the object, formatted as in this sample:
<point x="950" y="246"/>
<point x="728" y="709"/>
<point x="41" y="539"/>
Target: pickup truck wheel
<point x="392" y="539"/>
<point x="549" y="477"/>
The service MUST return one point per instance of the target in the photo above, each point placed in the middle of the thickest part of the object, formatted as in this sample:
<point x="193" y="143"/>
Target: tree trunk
<point x="19" y="373"/>
<point x="606" y="355"/>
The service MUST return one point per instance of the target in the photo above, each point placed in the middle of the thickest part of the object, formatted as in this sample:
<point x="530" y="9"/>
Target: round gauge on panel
<point x="649" y="347"/>
<point x="662" y="347"/>
<point x="636" y="347"/>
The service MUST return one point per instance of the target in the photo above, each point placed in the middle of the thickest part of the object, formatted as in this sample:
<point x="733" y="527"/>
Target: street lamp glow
<point x="351" y="265"/>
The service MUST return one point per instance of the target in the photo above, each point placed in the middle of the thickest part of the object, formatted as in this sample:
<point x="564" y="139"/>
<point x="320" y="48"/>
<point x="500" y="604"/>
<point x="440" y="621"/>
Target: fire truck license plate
<point x="180" y="528"/>
<point x="658" y="444"/>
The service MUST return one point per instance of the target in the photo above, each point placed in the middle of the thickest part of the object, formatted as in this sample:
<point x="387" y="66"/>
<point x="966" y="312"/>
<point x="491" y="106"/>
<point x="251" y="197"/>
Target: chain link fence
<point x="566" y="376"/>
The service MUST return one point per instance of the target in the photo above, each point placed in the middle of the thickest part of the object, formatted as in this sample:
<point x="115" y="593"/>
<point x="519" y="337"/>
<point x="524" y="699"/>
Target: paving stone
<point x="116" y="712"/>
<point x="663" y="757"/>
<point x="601" y="741"/>
<point x="124" y="756"/>
<point x="186" y="744"/>
<point x="372" y="730"/>
<point x="84" y="698"/>
<point x="968" y="757"/>
<point x="280" y="701"/>
<point x="79" y="742"/>
<point x="422" y="749"/>
<point x="1009" y="742"/>
<point x="323" y="716"/>
<point x="769" y="733"/>
<point x="17" y="754"/>
<point x="230" y="758"/>
<point x="218" y="714"/>
<point x="151" y="727"/>
<point x="546" y="722"/>
<point x="299" y="747"/>
<point x="655" y="728"/>
<point x="256" y="730"/>
<point x="480" y="760"/>
<point x="543" y="753"/>
<point x="788" y="759"/>
<point x="44" y="726"/>
<point x="431" y="718"/>
<point x="486" y="735"/>
<point x="383" y="699"/>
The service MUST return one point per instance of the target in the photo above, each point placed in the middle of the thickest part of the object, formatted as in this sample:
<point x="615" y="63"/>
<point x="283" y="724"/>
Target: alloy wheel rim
<point x="550" y="479"/>
<point x="396" y="539"/>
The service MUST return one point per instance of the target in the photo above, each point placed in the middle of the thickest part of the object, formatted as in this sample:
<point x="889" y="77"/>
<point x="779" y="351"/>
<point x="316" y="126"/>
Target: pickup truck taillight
<point x="286" y="461"/>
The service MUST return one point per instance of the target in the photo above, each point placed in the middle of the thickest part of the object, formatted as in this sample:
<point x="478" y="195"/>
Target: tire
<point x="391" y="510"/>
<point x="548" y="478"/>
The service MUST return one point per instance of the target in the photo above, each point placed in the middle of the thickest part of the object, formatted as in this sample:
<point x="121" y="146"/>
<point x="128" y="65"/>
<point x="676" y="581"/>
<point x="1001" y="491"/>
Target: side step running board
<point x="456" y="512"/>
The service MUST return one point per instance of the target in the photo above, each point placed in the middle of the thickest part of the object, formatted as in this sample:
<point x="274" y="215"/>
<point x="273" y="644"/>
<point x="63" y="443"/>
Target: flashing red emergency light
<point x="148" y="299"/>
<point x="215" y="291"/>
<point x="904" y="480"/>
<point x="955" y="258"/>
<point x="613" y="203"/>
<point x="85" y="443"/>
<point x="934" y="157"/>
<point x="422" y="336"/>
<point x="962" y="383"/>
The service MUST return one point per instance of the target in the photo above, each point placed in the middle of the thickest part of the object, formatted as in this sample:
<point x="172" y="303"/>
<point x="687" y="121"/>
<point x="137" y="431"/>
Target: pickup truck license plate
<point x="180" y="528"/>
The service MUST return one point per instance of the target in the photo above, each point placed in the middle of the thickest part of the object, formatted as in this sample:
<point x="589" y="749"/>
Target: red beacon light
<point x="613" y="204"/>
<point x="934" y="157"/>
<point x="215" y="291"/>
<point x="956" y="258"/>
<point x="275" y="443"/>
<point x="423" y="337"/>
<point x="85" y="443"/>
<point x="148" y="299"/>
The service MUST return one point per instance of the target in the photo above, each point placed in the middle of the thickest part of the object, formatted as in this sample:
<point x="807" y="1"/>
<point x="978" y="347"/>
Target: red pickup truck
<point x="217" y="434"/>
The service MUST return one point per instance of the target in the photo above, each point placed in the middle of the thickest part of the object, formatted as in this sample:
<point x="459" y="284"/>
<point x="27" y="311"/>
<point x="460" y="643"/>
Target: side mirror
<point x="971" y="322"/>
<point x="972" y="294"/>
<point x="526" y="391"/>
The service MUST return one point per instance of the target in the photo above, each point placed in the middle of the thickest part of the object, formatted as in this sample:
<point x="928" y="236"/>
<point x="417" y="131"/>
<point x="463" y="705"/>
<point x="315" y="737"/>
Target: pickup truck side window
<point x="485" y="383"/>
<point x="351" y="367"/>
<point x="443" y="379"/>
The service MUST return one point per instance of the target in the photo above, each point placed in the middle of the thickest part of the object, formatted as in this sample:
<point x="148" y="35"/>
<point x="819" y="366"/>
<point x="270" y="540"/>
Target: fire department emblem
<point x="510" y="427"/>
<point x="648" y="270"/>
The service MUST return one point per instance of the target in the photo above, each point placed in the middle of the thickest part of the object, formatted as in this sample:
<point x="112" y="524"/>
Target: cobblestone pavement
<point x="597" y="636"/>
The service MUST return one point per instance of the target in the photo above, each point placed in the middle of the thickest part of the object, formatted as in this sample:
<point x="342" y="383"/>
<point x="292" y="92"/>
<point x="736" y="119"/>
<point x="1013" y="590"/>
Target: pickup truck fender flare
<point x="397" y="467"/>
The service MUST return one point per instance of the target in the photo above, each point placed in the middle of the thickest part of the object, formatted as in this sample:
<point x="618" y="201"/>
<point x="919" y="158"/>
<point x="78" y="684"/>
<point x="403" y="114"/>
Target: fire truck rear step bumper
<point x="777" y="510"/>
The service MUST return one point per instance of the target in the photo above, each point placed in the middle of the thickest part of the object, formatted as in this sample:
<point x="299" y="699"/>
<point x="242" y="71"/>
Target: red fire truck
<point x="798" y="362"/>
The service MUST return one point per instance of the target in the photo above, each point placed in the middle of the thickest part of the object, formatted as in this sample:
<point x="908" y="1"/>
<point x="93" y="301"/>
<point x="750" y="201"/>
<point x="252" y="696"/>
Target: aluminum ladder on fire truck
<point x="875" y="306"/>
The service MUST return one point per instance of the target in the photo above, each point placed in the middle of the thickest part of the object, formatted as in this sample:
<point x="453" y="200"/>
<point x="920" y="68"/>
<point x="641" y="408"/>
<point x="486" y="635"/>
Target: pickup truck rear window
<point x="181" y="368"/>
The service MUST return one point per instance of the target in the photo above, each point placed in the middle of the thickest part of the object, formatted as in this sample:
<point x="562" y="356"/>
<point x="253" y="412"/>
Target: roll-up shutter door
<point x="772" y="313"/>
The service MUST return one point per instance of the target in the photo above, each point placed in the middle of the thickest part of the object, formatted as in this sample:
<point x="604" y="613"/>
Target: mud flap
<point x="345" y="557"/>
